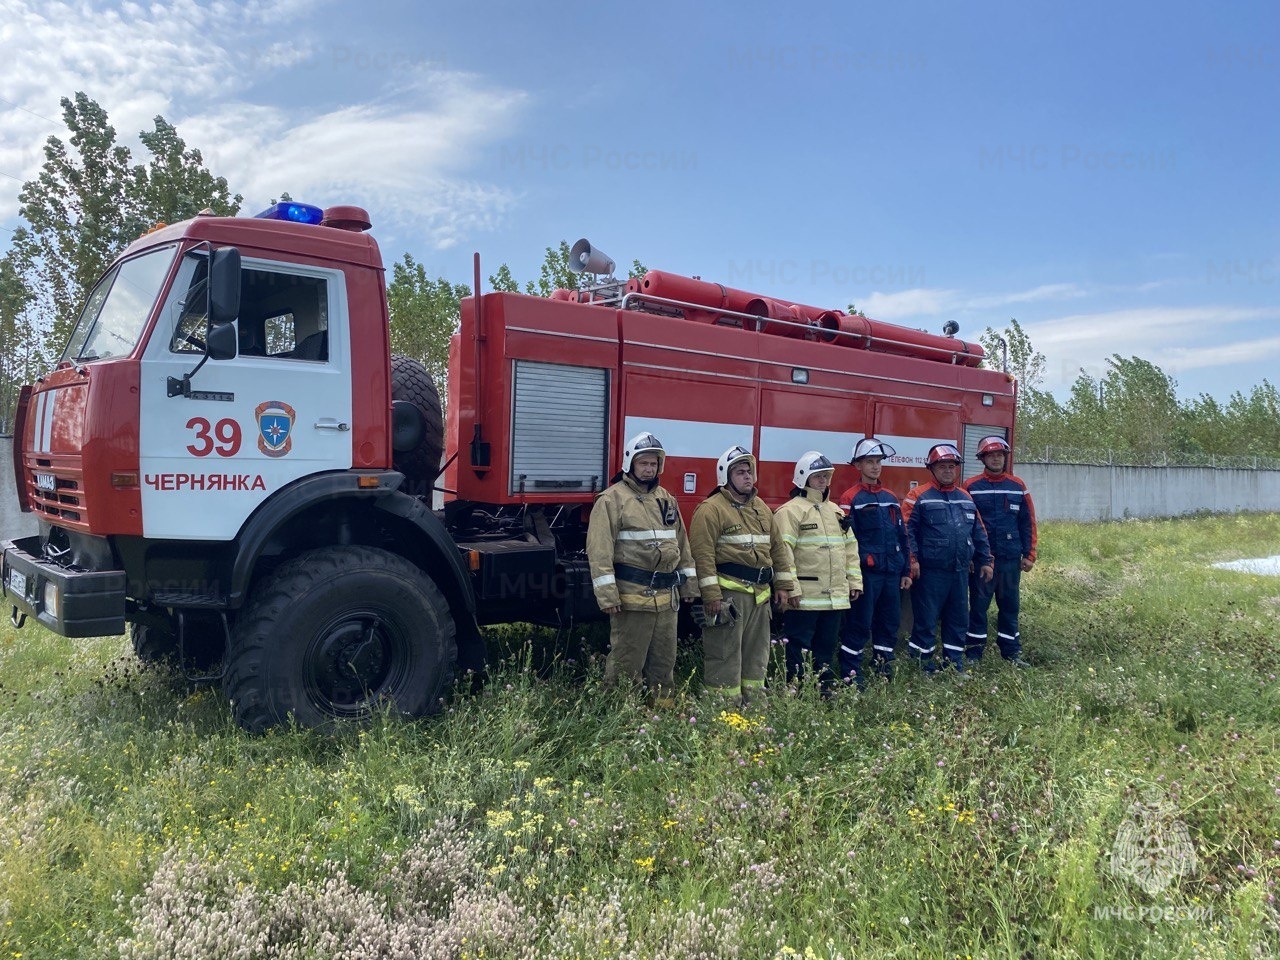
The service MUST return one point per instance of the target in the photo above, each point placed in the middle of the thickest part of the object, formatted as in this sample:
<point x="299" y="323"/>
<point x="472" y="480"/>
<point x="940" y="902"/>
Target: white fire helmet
<point x="734" y="454"/>
<point x="871" y="447"/>
<point x="809" y="464"/>
<point x="643" y="443"/>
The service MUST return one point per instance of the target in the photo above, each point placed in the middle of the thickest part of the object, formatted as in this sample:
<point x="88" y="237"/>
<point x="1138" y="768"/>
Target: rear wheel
<point x="336" y="633"/>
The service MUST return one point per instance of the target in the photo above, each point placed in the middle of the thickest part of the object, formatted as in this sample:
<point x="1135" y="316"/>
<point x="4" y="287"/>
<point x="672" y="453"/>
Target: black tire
<point x="334" y="634"/>
<point x="420" y="464"/>
<point x="204" y="644"/>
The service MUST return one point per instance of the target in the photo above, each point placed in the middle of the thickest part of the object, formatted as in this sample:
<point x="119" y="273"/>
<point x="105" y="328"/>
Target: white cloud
<point x="921" y="301"/>
<point x="399" y="161"/>
<point x="929" y="302"/>
<point x="1047" y="291"/>
<point x="396" y="149"/>
<point x="1177" y="339"/>
<point x="1219" y="355"/>
<point x="1140" y="328"/>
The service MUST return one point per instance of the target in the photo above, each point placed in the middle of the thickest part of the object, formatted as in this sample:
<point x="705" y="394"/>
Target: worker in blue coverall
<point x="1004" y="503"/>
<point x="875" y="516"/>
<point x="945" y="536"/>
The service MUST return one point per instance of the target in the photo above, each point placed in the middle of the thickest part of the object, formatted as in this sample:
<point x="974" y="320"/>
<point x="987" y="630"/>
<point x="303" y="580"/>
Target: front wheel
<point x="336" y="632"/>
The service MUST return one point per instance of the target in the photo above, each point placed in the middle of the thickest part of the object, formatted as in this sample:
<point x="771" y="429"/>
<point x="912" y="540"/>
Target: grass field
<point x="1121" y="799"/>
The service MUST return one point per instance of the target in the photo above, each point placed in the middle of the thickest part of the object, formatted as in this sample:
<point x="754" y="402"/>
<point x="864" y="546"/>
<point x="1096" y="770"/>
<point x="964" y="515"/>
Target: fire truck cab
<point x="229" y="464"/>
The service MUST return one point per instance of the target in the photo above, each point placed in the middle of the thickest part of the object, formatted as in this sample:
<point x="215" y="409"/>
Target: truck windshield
<point x="117" y="309"/>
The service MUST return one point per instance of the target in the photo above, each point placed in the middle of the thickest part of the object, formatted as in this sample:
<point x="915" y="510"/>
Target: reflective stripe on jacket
<point x="877" y="522"/>
<point x="944" y="531"/>
<point x="1007" y="512"/>
<point x="725" y="531"/>
<point x="640" y="528"/>
<point x="826" y="554"/>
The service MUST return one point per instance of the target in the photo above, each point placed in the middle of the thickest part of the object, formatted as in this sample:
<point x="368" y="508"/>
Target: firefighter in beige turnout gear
<point x="640" y="568"/>
<point x="741" y="562"/>
<point x="827" y="569"/>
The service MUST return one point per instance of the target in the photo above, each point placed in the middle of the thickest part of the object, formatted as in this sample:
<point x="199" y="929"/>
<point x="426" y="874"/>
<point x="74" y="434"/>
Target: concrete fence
<point x="1062" y="491"/>
<point x="13" y="522"/>
<point x="1067" y="491"/>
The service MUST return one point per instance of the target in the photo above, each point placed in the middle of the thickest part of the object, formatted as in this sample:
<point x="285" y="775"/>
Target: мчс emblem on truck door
<point x="275" y="426"/>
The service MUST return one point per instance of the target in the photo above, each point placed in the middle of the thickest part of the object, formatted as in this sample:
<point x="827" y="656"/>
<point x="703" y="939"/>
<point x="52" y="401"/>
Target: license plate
<point x="18" y="583"/>
<point x="46" y="481"/>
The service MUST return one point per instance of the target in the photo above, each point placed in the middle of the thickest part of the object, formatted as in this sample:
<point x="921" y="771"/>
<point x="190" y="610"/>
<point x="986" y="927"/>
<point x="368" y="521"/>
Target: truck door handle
<point x="329" y="423"/>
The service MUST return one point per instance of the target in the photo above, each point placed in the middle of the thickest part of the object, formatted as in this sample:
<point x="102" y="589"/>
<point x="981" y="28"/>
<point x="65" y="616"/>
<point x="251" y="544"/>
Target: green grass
<point x="550" y="817"/>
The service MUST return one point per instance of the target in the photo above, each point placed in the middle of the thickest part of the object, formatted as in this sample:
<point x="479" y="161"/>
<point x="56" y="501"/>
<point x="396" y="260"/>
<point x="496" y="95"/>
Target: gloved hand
<point x="723" y="614"/>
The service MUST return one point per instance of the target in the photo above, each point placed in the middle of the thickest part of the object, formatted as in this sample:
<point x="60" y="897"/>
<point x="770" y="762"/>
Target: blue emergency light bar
<point x="295" y="212"/>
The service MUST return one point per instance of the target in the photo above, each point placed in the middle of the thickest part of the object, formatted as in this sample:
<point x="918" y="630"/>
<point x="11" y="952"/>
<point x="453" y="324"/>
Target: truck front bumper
<point x="71" y="603"/>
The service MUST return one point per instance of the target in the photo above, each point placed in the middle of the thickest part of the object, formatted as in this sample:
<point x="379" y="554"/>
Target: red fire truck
<point x="229" y="464"/>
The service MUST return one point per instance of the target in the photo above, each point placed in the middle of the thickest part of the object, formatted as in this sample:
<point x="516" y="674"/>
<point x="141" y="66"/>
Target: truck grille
<point x="60" y="502"/>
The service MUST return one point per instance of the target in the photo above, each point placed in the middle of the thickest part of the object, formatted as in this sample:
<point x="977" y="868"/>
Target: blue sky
<point x="1108" y="173"/>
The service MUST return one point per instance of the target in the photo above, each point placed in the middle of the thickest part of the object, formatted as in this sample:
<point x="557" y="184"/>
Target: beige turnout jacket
<point x="827" y="566"/>
<point x="642" y="529"/>
<point x="725" y="531"/>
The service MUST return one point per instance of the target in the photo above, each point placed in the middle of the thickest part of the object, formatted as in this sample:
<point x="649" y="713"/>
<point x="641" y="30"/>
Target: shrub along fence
<point x="1100" y="456"/>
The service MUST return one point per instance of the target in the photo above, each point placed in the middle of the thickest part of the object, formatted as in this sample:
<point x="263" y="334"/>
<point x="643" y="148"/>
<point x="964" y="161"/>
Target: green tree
<point x="1141" y="401"/>
<point x="1133" y="407"/>
<point x="1025" y="361"/>
<point x="175" y="185"/>
<point x="425" y="312"/>
<point x="1206" y="426"/>
<point x="503" y="282"/>
<point x="89" y="202"/>
<point x="1085" y="423"/>
<point x="1253" y="422"/>
<point x="77" y="211"/>
<point x="554" y="274"/>
<point x="21" y="360"/>
<point x="1041" y="420"/>
<point x="424" y="315"/>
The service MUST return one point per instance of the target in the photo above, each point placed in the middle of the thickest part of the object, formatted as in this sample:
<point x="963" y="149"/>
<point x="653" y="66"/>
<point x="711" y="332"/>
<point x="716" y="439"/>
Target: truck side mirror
<point x="224" y="289"/>
<point x="221" y="341"/>
<point x="222" y="295"/>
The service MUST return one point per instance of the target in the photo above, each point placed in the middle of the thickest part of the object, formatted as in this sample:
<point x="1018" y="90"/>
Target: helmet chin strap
<point x="647" y="484"/>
